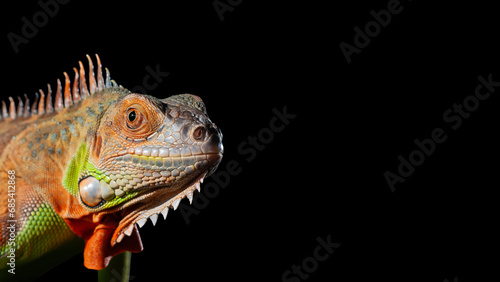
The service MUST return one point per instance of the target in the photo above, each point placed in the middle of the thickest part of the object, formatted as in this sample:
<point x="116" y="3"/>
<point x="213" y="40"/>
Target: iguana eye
<point x="134" y="118"/>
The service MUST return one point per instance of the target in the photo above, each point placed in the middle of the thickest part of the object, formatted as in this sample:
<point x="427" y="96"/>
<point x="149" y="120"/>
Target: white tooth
<point x="197" y="185"/>
<point x="141" y="222"/>
<point x="129" y="230"/>
<point x="190" y="197"/>
<point x="203" y="178"/>
<point x="175" y="204"/>
<point x="165" y="212"/>
<point x="154" y="218"/>
<point x="120" y="237"/>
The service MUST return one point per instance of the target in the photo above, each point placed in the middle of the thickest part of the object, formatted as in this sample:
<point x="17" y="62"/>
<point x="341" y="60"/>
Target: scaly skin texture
<point x="97" y="167"/>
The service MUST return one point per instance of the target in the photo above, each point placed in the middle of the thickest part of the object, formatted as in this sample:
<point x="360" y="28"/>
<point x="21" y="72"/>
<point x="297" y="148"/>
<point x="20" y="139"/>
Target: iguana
<point x="86" y="171"/>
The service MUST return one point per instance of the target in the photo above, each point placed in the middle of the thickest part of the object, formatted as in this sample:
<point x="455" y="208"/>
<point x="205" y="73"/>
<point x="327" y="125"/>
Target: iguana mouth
<point x="151" y="204"/>
<point x="116" y="230"/>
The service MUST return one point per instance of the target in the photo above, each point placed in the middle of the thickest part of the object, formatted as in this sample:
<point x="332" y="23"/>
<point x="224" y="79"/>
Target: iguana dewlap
<point x="97" y="163"/>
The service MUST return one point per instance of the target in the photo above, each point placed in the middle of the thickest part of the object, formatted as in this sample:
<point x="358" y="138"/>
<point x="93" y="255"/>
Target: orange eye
<point x="134" y="118"/>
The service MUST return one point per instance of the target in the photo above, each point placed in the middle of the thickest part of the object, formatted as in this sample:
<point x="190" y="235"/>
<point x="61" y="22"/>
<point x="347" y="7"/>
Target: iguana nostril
<point x="199" y="133"/>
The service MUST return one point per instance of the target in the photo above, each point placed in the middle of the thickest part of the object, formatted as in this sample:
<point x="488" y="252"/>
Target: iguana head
<point x="140" y="158"/>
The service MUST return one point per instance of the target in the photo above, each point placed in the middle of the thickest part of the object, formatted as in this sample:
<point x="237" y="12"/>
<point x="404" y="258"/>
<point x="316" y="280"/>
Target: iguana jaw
<point x="154" y="199"/>
<point x="150" y="205"/>
<point x="112" y="231"/>
<point x="115" y="231"/>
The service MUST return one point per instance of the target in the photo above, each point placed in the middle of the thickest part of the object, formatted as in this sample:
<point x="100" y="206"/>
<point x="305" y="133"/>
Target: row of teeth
<point x="187" y="193"/>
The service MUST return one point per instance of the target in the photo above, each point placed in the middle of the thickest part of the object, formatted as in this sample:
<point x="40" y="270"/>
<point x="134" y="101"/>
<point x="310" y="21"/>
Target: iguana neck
<point x="41" y="150"/>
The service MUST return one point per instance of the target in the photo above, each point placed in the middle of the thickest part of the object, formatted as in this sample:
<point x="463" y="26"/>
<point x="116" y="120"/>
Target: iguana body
<point x="93" y="166"/>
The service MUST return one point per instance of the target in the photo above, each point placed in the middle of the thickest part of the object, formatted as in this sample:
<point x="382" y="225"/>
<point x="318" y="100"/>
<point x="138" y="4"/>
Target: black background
<point x="324" y="173"/>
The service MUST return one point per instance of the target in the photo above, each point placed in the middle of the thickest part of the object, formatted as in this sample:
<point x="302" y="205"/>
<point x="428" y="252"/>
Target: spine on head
<point x="64" y="98"/>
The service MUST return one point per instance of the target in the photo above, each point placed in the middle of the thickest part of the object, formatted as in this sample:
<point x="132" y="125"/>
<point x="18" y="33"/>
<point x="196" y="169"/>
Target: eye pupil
<point x="132" y="115"/>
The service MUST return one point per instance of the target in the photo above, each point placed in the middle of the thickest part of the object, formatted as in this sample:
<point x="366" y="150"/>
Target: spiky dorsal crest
<point x="64" y="97"/>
